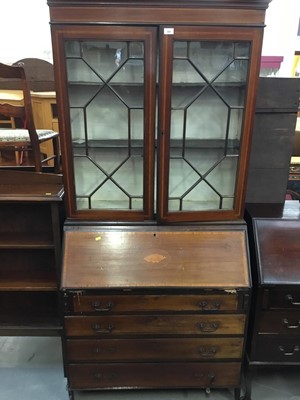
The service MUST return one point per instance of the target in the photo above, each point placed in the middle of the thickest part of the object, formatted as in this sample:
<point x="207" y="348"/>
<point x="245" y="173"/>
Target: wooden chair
<point x="26" y="137"/>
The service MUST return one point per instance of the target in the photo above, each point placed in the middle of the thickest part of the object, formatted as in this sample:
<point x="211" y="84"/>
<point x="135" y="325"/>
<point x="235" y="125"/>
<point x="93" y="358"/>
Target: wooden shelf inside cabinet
<point x="31" y="212"/>
<point x="30" y="186"/>
<point x="29" y="271"/>
<point x="26" y="314"/>
<point x="25" y="240"/>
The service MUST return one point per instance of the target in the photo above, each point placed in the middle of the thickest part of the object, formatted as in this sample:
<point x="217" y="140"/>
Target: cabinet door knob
<point x="208" y="326"/>
<point x="289" y="298"/>
<point x="286" y="323"/>
<point x="289" y="353"/>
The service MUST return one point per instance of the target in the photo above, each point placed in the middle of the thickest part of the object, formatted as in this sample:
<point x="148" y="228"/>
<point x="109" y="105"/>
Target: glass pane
<point x="106" y="92"/>
<point x="206" y="123"/>
<point x="104" y="58"/>
<point x="211" y="58"/>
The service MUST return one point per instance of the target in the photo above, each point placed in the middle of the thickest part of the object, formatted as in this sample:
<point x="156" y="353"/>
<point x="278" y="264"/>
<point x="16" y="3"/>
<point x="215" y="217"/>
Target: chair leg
<point x="21" y="157"/>
<point x="37" y="157"/>
<point x="57" y="155"/>
<point x="17" y="157"/>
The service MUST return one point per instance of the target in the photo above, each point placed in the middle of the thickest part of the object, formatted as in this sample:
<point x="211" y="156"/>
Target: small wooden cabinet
<point x="154" y="308"/>
<point x="31" y="213"/>
<point x="43" y="106"/>
<point x="274" y="335"/>
<point x="45" y="110"/>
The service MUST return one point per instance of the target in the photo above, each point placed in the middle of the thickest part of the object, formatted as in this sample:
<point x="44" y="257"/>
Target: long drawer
<point x="279" y="322"/>
<point x="218" y="324"/>
<point x="153" y="375"/>
<point x="287" y="298"/>
<point x="153" y="303"/>
<point x="277" y="348"/>
<point x="168" y="349"/>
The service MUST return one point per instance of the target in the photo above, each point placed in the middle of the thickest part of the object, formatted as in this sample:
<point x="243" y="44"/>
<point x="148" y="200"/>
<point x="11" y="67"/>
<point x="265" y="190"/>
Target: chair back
<point x="23" y="112"/>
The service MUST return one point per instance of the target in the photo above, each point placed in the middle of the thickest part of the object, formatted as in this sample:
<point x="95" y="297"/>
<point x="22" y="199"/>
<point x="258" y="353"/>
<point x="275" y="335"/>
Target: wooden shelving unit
<point x="31" y="213"/>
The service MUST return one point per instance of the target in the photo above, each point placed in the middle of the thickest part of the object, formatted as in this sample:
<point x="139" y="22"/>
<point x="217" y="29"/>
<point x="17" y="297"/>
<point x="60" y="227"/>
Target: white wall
<point x="30" y="20"/>
<point x="26" y="25"/>
<point x="280" y="36"/>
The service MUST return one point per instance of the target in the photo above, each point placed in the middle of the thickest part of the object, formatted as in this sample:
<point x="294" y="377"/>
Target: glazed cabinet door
<point x="207" y="87"/>
<point x="106" y="93"/>
<point x="109" y="90"/>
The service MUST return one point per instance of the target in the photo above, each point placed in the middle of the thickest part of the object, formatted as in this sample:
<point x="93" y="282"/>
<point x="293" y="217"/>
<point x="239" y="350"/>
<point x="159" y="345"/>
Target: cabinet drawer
<point x="279" y="322"/>
<point x="279" y="348"/>
<point x="154" y="349"/>
<point x="138" y="303"/>
<point x="153" y="375"/>
<point x="217" y="324"/>
<point x="281" y="298"/>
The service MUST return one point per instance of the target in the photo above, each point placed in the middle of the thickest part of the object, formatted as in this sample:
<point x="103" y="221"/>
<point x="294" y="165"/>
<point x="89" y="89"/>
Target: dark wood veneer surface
<point x="30" y="186"/>
<point x="148" y="259"/>
<point x="154" y="375"/>
<point x="154" y="349"/>
<point x="278" y="251"/>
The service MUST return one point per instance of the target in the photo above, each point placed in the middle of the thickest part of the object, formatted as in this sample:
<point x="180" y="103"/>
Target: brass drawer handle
<point x="103" y="350"/>
<point x="289" y="353"/>
<point x="208" y="326"/>
<point x="211" y="376"/>
<point x="286" y="323"/>
<point x="215" y="305"/>
<point x="98" y="330"/>
<point x="108" y="376"/>
<point x="289" y="297"/>
<point x="207" y="352"/>
<point x="96" y="306"/>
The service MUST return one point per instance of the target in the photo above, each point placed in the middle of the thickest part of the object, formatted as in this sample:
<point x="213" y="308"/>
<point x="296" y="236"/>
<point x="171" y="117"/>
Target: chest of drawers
<point x="155" y="309"/>
<point x="274" y="337"/>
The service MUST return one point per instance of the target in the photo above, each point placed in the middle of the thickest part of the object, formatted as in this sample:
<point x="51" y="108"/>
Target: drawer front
<point x="279" y="348"/>
<point x="217" y="324"/>
<point x="282" y="298"/>
<point x="104" y="304"/>
<point x="153" y="375"/>
<point x="279" y="322"/>
<point x="154" y="349"/>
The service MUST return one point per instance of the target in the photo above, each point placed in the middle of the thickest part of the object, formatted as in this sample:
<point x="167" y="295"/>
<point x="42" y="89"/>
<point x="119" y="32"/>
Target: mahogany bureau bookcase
<point x="155" y="104"/>
<point x="274" y="334"/>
